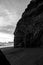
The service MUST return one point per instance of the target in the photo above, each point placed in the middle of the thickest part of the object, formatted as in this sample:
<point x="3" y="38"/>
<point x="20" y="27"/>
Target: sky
<point x="10" y="13"/>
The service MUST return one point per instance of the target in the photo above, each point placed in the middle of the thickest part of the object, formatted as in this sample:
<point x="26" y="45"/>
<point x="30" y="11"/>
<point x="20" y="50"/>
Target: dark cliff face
<point x="29" y="29"/>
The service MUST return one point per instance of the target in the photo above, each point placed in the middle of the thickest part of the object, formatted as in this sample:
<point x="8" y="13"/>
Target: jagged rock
<point x="3" y="60"/>
<point x="28" y="32"/>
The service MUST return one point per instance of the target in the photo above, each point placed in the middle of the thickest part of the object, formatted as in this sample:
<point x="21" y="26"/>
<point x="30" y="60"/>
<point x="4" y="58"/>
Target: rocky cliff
<point x="29" y="29"/>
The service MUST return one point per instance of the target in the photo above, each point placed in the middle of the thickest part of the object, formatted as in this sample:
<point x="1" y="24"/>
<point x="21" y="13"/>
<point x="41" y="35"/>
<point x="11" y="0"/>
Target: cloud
<point x="8" y="29"/>
<point x="6" y="37"/>
<point x="7" y="17"/>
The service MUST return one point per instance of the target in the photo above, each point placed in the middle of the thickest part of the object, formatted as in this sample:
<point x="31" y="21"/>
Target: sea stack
<point x="29" y="29"/>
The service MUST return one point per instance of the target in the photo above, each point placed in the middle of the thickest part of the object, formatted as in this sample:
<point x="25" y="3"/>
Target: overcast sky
<point x="10" y="13"/>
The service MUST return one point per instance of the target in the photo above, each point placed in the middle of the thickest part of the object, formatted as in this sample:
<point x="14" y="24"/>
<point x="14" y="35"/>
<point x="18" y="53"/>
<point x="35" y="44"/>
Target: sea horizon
<point x="5" y="44"/>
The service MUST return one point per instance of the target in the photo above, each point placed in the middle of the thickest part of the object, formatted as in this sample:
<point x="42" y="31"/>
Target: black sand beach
<point x="21" y="56"/>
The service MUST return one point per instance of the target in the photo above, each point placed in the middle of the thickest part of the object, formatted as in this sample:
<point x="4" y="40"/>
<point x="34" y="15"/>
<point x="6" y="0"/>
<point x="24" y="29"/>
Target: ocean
<point x="3" y="45"/>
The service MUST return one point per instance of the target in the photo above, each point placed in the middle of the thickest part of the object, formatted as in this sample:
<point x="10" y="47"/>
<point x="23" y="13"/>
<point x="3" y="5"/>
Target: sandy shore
<point x="19" y="56"/>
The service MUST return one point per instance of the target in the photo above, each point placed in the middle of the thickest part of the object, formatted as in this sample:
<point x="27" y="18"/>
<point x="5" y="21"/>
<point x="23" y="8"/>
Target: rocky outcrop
<point x="3" y="60"/>
<point x="29" y="29"/>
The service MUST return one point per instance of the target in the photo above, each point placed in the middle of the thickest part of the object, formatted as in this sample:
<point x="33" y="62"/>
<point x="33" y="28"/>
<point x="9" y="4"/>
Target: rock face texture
<point x="29" y="29"/>
<point x="3" y="60"/>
